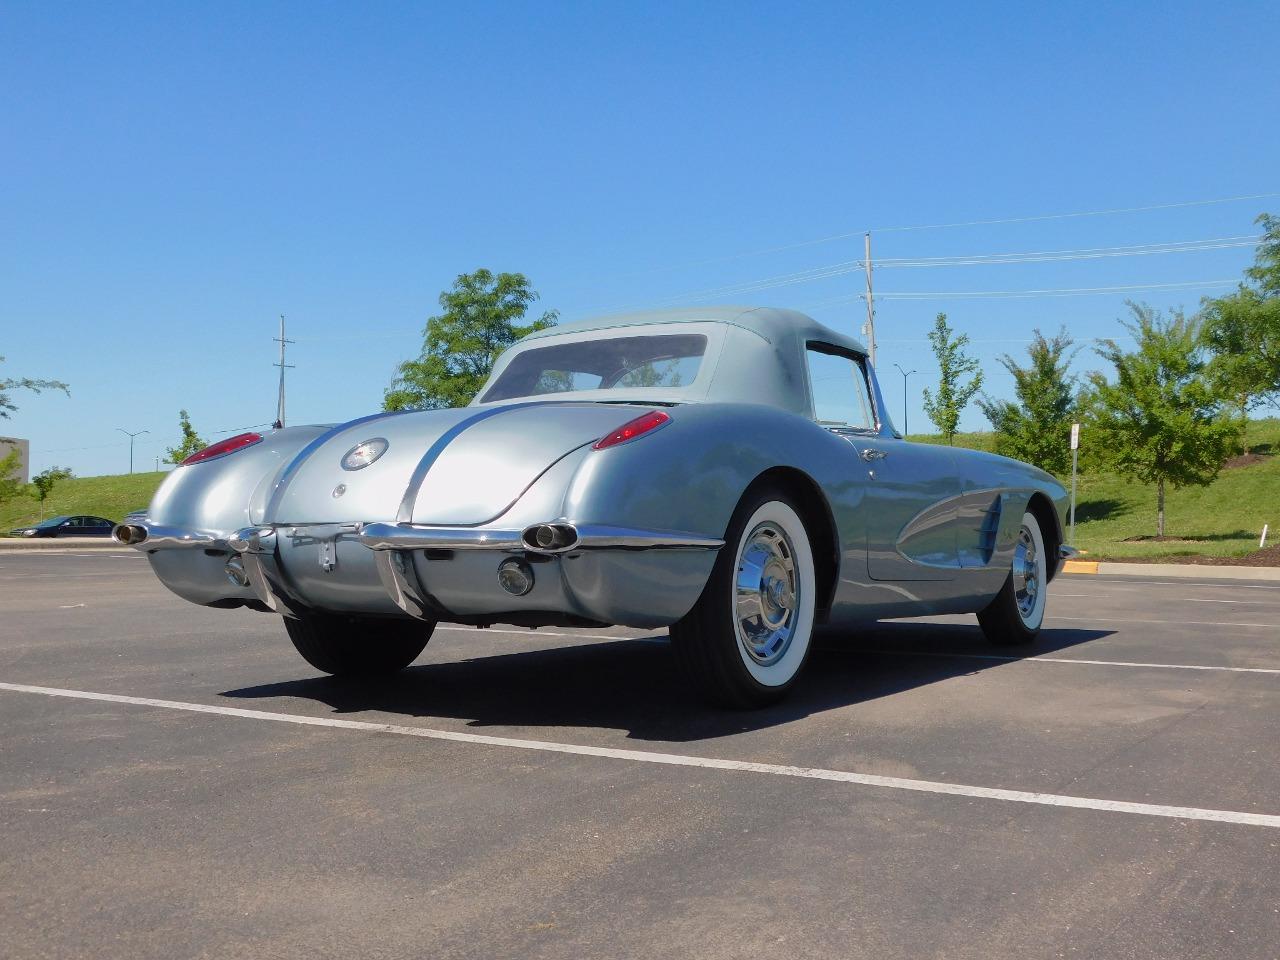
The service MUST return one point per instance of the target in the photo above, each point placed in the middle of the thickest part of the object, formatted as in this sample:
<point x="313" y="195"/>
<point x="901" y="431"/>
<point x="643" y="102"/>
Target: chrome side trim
<point x="1067" y="553"/>
<point x="596" y="537"/>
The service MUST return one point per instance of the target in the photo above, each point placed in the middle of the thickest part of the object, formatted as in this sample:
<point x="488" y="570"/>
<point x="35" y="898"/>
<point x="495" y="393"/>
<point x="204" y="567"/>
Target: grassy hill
<point x="110" y="497"/>
<point x="1221" y="520"/>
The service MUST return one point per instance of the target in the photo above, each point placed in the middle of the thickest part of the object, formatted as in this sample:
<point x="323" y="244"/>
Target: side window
<point x="840" y="394"/>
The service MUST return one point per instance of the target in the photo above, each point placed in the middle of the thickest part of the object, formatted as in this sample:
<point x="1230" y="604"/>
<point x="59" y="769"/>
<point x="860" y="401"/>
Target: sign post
<point x="1075" y="455"/>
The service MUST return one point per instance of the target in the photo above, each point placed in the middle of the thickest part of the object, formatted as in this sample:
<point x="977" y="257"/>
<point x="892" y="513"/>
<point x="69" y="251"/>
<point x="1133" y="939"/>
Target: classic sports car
<point x="729" y="473"/>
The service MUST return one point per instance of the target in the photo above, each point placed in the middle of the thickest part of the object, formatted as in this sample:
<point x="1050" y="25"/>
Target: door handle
<point x="870" y="454"/>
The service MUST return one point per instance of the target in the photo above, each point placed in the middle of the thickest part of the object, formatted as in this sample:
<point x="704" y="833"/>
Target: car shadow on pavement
<point x="634" y="685"/>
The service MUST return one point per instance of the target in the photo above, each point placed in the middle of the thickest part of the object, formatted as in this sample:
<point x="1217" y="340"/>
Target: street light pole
<point x="905" y="374"/>
<point x="131" y="436"/>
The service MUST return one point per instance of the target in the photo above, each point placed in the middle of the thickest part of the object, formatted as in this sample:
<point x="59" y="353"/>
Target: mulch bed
<point x="1268" y="557"/>
<point x="1244" y="460"/>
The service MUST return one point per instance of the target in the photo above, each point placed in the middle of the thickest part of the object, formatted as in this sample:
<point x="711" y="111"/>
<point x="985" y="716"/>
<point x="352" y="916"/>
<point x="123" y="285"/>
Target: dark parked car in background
<point x="67" y="527"/>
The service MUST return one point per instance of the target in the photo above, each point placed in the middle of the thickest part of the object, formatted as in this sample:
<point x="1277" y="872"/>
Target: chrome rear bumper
<point x="259" y="550"/>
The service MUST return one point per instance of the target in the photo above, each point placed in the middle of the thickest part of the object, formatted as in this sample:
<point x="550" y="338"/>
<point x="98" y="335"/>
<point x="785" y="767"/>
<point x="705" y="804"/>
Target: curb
<point x="14" y="545"/>
<point x="1201" y="571"/>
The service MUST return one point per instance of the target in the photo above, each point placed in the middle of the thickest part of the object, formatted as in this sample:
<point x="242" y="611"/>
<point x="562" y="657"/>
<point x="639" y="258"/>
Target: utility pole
<point x="283" y="366"/>
<point x="131" y="436"/>
<point x="871" y="307"/>
<point x="905" y="374"/>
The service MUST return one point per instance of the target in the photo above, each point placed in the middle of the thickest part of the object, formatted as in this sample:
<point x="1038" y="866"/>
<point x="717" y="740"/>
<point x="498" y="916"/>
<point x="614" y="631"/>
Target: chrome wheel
<point x="1026" y="574"/>
<point x="767" y="594"/>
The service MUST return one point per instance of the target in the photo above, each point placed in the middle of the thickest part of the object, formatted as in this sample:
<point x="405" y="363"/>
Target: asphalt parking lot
<point x="177" y="782"/>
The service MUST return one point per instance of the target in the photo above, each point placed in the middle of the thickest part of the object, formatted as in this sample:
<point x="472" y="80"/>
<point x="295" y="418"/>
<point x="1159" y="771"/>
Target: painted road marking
<point x="1038" y="659"/>
<point x="1182" y="623"/>
<point x="681" y="760"/>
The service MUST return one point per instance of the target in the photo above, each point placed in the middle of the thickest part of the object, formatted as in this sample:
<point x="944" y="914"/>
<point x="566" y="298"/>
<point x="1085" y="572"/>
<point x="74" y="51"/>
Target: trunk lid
<point x="468" y="465"/>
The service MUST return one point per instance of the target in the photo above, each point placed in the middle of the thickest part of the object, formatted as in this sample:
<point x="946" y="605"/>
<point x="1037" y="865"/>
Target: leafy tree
<point x="945" y="408"/>
<point x="481" y="317"/>
<point x="1242" y="330"/>
<point x="10" y="485"/>
<point x="1037" y="428"/>
<point x="189" y="444"/>
<point x="43" y="483"/>
<point x="7" y="406"/>
<point x="1162" y="421"/>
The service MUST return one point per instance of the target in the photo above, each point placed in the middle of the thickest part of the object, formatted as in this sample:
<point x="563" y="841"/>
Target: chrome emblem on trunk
<point x="364" y="453"/>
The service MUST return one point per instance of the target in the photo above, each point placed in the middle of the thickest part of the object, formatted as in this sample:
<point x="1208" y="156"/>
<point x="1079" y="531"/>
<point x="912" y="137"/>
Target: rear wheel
<point x="348" y="646"/>
<point x="1017" y="612"/>
<point x="747" y="638"/>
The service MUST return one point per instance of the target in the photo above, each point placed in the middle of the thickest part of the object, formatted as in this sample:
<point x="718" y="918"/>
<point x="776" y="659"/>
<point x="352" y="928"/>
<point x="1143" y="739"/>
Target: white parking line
<point x="683" y="760"/>
<point x="1054" y="595"/>
<point x="1096" y="663"/>
<point x="1102" y="618"/>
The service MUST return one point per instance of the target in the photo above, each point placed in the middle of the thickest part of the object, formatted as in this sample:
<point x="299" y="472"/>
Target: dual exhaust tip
<point x="550" y="537"/>
<point x="129" y="534"/>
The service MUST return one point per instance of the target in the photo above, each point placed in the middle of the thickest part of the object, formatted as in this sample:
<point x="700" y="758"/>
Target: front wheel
<point x="348" y="646"/>
<point x="745" y="640"/>
<point x="1015" y="615"/>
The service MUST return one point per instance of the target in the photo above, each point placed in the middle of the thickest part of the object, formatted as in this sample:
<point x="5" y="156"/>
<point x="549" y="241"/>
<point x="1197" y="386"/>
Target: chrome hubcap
<point x="768" y="594"/>
<point x="1026" y="573"/>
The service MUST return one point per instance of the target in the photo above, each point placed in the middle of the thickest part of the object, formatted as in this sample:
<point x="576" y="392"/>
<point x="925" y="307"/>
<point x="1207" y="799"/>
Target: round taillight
<point x="632" y="429"/>
<point x="222" y="448"/>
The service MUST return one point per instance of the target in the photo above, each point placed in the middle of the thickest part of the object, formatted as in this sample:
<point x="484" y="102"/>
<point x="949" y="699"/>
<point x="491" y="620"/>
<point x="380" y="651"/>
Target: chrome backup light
<point x="364" y="453"/>
<point x="515" y="576"/>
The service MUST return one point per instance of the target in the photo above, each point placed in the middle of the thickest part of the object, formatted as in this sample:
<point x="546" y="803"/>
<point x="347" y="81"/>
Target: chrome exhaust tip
<point x="128" y="534"/>
<point x="550" y="537"/>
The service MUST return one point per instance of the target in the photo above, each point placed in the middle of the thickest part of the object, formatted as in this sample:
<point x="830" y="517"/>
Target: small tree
<point x="481" y="318"/>
<point x="1161" y="420"/>
<point x="1037" y="428"/>
<point x="189" y="444"/>
<point x="1242" y="330"/>
<point x="10" y="485"/>
<point x="43" y="483"/>
<point x="945" y="408"/>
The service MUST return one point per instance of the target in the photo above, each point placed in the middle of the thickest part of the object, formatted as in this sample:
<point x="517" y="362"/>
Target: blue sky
<point x="173" y="177"/>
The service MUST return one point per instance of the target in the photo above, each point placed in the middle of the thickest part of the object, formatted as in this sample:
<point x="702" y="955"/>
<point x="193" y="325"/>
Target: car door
<point x="909" y="503"/>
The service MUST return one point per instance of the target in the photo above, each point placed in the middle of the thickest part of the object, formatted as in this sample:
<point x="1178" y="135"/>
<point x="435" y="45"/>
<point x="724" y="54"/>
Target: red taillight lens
<point x="223" y="447"/>
<point x="632" y="429"/>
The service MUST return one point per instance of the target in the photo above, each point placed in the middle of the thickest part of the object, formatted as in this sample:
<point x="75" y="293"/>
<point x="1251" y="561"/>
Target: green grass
<point x="1223" y="519"/>
<point x="110" y="497"/>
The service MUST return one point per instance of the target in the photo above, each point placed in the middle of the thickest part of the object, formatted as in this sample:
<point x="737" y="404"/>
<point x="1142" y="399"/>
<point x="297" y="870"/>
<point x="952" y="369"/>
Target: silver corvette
<point x="729" y="473"/>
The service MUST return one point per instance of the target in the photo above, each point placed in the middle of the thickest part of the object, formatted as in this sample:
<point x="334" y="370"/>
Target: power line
<point x="1024" y="294"/>
<point x="844" y="267"/>
<point x="1085" y="253"/>
<point x="765" y="251"/>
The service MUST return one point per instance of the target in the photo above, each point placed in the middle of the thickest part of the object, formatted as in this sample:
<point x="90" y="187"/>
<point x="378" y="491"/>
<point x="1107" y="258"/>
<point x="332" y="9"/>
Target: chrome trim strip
<point x="405" y="513"/>
<point x="405" y="536"/>
<point x="596" y="537"/>
<point x="1067" y="553"/>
